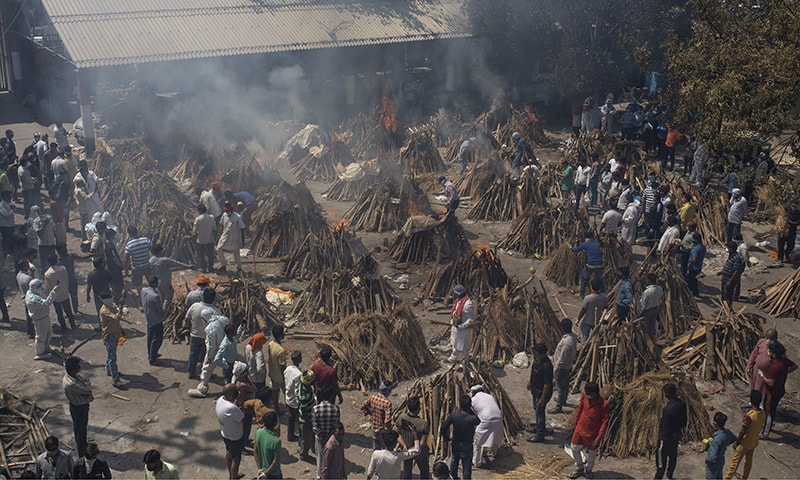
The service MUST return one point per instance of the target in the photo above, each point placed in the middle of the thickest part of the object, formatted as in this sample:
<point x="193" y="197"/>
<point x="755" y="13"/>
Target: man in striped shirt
<point x="137" y="257"/>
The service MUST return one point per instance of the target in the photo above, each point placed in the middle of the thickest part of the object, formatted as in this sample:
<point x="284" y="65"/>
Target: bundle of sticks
<point x="327" y="249"/>
<point x="283" y="218"/>
<point x="346" y="190"/>
<point x="541" y="230"/>
<point x="334" y="294"/>
<point x="730" y="338"/>
<point x="783" y="298"/>
<point x="712" y="215"/>
<point x="478" y="178"/>
<point x="144" y="198"/>
<point x="368" y="137"/>
<point x="320" y="162"/>
<point x="615" y="352"/>
<point x="440" y="395"/>
<point x="386" y="206"/>
<point x="22" y="433"/>
<point x="588" y="143"/>
<point x="515" y="320"/>
<point x="246" y="175"/>
<point x="480" y="272"/>
<point x="507" y="197"/>
<point x="419" y="154"/>
<point x="373" y="347"/>
<point x="635" y="413"/>
<point x="196" y="167"/>
<point x="424" y="240"/>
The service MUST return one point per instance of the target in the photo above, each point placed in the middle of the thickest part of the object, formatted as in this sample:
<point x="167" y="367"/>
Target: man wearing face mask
<point x="54" y="462"/>
<point x="759" y="360"/>
<point x="462" y="318"/>
<point x="156" y="469"/>
<point x="79" y="394"/>
<point x="89" y="466"/>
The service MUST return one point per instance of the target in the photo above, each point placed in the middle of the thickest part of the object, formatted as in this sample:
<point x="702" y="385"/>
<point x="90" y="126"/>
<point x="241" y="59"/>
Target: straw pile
<point x="372" y="347"/>
<point x="783" y="298"/>
<point x="283" y="218"/>
<point x="733" y="335"/>
<point x="22" y="432"/>
<point x="333" y="295"/>
<point x="327" y="249"/>
<point x="440" y="395"/>
<point x="636" y="411"/>
<point x="480" y="272"/>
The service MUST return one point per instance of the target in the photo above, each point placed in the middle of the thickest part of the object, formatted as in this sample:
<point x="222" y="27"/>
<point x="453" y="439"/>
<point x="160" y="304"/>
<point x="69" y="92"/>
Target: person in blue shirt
<point x="519" y="151"/>
<point x="594" y="261"/>
<point x="695" y="264"/>
<point x="624" y="294"/>
<point x="732" y="181"/>
<point x="661" y="137"/>
<point x="715" y="458"/>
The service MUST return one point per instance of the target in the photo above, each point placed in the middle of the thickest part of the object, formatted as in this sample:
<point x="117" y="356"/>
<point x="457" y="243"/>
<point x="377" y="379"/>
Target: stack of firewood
<point x="479" y="177"/>
<point x="732" y="336"/>
<point x="332" y="295"/>
<point x="371" y="347"/>
<point x="420" y="155"/>
<point x="480" y="272"/>
<point x="507" y="197"/>
<point x="783" y="298"/>
<point x="321" y="160"/>
<point x="565" y="266"/>
<point x="196" y="167"/>
<point x="22" y="434"/>
<point x="540" y="231"/>
<point x="386" y="206"/>
<point x="429" y="241"/>
<point x="327" y="249"/>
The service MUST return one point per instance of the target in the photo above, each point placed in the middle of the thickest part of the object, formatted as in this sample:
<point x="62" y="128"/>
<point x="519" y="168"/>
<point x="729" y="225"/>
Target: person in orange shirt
<point x="591" y="421"/>
<point x="747" y="441"/>
<point x="673" y="138"/>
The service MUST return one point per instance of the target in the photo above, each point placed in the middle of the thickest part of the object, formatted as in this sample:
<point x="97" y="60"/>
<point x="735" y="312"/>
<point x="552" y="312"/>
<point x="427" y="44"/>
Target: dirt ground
<point x="154" y="410"/>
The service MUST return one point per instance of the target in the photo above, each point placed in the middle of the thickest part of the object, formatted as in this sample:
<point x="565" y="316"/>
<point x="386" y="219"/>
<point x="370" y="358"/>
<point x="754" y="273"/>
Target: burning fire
<point x="388" y="112"/>
<point x="340" y="226"/>
<point x="532" y="117"/>
<point x="413" y="209"/>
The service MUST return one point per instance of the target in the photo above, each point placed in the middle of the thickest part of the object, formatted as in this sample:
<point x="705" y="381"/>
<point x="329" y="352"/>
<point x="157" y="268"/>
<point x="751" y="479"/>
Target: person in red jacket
<point x="591" y="420"/>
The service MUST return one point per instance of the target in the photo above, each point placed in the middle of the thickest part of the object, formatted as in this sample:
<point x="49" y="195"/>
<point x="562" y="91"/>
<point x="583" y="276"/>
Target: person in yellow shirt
<point x="277" y="363"/>
<point x="746" y="443"/>
<point x="688" y="211"/>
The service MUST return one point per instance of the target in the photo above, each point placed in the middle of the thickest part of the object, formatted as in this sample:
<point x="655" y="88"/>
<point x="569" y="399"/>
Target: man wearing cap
<point x="462" y="319"/>
<point x="231" y="239"/>
<point x="38" y="307"/>
<point x="449" y="190"/>
<point x="196" y="295"/>
<point x="205" y="226"/>
<point x="196" y="322"/>
<point x="489" y="433"/>
<point x="736" y="214"/>
<point x="379" y="409"/>
<point x="212" y="198"/>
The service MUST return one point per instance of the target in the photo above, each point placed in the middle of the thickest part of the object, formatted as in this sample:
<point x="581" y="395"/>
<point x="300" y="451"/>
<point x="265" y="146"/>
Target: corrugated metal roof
<point x="99" y="33"/>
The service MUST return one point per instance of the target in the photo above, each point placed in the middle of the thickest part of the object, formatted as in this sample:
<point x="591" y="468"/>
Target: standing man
<point x="624" y="296"/>
<point x="731" y="274"/>
<point x="212" y="199"/>
<point x="630" y="221"/>
<point x="747" y="441"/>
<point x="738" y="207"/>
<point x="205" y="226"/>
<point x="449" y="190"/>
<point x="650" y="306"/>
<point x="775" y="383"/>
<point x="197" y="295"/>
<point x="215" y="333"/>
<point x="24" y="278"/>
<point x="324" y="418"/>
<point x="267" y="448"/>
<point x="387" y="463"/>
<point x="519" y="152"/>
<point x="38" y="307"/>
<point x="110" y="316"/>
<point x="465" y="152"/>
<point x="90" y="181"/>
<point x="305" y="406"/>
<point x="53" y="462"/>
<point x="611" y="221"/>
<point x="325" y="375"/>
<point x="591" y="421"/>
<point x="291" y="380"/>
<point x="592" y="309"/>
<point x="231" y="239"/>
<point x="196" y="323"/>
<point x="333" y="456"/>
<point x="670" y="429"/>
<point x="541" y="388"/>
<point x="98" y="281"/>
<point x="277" y="363"/>
<point x="230" y="418"/>
<point x="27" y="185"/>
<point x="669" y="238"/>
<point x="582" y="176"/>
<point x="489" y="433"/>
<point x="45" y="235"/>
<point x="60" y="135"/>
<point x="464" y="423"/>
<point x="563" y="360"/>
<point x="409" y="436"/>
<point x="154" y="314"/>
<point x="161" y="267"/>
<point x="57" y="275"/>
<point x="378" y="408"/>
<point x="594" y="178"/>
<point x="156" y="469"/>
<point x="462" y="319"/>
<point x="567" y="180"/>
<point x="79" y="395"/>
<point x="137" y="257"/>
<point x="695" y="263"/>
<point x="594" y="261"/>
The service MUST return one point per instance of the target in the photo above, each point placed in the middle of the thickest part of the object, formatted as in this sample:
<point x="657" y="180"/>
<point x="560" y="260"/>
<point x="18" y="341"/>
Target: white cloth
<point x="44" y="332"/>
<point x="489" y="433"/>
<point x="670" y="234"/>
<point x="208" y="199"/>
<point x="388" y="465"/>
<point x="612" y="220"/>
<point x="60" y="135"/>
<point x="91" y="180"/>
<point x="582" y="175"/>
<point x="232" y="225"/>
<point x="230" y="419"/>
<point x="629" y="220"/>
<point x="291" y="378"/>
<point x="204" y="227"/>
<point x="256" y="366"/>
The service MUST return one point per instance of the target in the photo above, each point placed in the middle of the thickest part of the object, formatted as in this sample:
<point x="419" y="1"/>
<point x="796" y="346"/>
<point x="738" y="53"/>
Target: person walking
<point x="489" y="432"/>
<point x="215" y="332"/>
<point x="231" y="239"/>
<point x="196" y="322"/>
<point x="540" y="385"/>
<point x="24" y="278"/>
<point x="157" y="469"/>
<point x="591" y="421"/>
<point x="154" y="314"/>
<point x="291" y="379"/>
<point x="230" y="418"/>
<point x="731" y="274"/>
<point x="650" y="306"/>
<point x="409" y="435"/>
<point x="57" y="275"/>
<point x="110" y="316"/>
<point x="267" y="451"/>
<point x="760" y="360"/>
<point x="54" y="462"/>
<point x="305" y="406"/>
<point x="38" y="308"/>
<point x="378" y="408"/>
<point x="738" y="207"/>
<point x="462" y="319"/>
<point x="114" y="264"/>
<point x="747" y="440"/>
<point x="324" y="417"/>
<point x="592" y="309"/>
<point x="78" y="391"/>
<point x="137" y="257"/>
<point x="89" y="466"/>
<point x="594" y="261"/>
<point x="670" y="430"/>
<point x="463" y="423"/>
<point x="715" y="458"/>
<point x="204" y="229"/>
<point x="563" y="360"/>
<point x="775" y="383"/>
<point x="695" y="263"/>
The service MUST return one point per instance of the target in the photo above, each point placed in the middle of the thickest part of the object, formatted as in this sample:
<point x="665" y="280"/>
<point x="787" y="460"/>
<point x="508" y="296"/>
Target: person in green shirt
<point x="267" y="451"/>
<point x="156" y="469"/>
<point x="567" y="180"/>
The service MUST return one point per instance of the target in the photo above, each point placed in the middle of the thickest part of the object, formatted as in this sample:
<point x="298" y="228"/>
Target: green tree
<point x="738" y="72"/>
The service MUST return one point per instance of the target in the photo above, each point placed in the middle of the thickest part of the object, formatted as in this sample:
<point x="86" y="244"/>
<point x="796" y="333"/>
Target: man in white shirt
<point x="212" y="198"/>
<point x="670" y="236"/>
<point x="231" y="427"/>
<point x="650" y="306"/>
<point x="291" y="378"/>
<point x="387" y="463"/>
<point x="582" y="176"/>
<point x="630" y="220"/>
<point x="231" y="239"/>
<point x="563" y="360"/>
<point x="488" y="433"/>
<point x="204" y="228"/>
<point x="611" y="221"/>
<point x="197" y="322"/>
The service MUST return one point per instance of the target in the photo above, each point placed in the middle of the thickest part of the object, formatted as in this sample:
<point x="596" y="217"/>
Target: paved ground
<point x="156" y="412"/>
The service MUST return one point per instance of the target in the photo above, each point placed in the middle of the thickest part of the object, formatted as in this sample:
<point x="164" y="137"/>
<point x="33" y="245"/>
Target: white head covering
<point x="239" y="369"/>
<point x="475" y="389"/>
<point x="36" y="286"/>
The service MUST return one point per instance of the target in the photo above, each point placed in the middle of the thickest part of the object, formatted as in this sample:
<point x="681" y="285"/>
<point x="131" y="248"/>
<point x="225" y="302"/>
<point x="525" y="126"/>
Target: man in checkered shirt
<point x="379" y="409"/>
<point x="324" y="418"/>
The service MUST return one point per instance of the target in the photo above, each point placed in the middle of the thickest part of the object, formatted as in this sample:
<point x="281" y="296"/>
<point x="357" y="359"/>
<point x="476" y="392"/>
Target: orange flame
<point x="413" y="209"/>
<point x="388" y="112"/>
